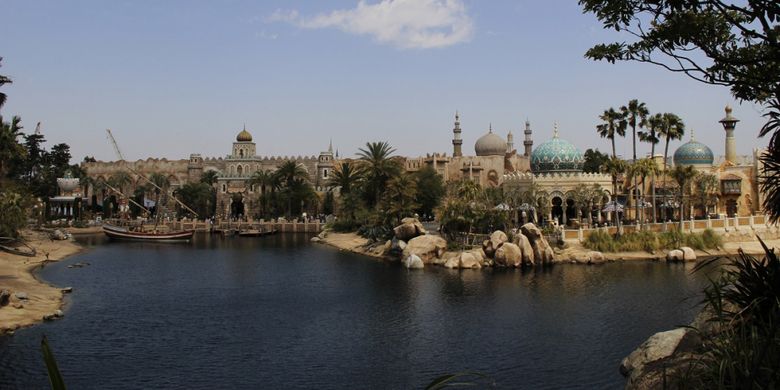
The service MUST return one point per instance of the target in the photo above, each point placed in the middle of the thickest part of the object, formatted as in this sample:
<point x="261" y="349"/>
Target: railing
<point x="723" y="224"/>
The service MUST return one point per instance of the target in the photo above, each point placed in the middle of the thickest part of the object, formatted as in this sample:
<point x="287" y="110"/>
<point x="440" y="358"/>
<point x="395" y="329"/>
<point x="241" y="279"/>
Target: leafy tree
<point x="593" y="160"/>
<point x="711" y="41"/>
<point x="296" y="187"/>
<point x="120" y="180"/>
<point x="328" y="203"/>
<point x="88" y="159"/>
<point x="159" y="184"/>
<point x="642" y="169"/>
<point x="614" y="125"/>
<point x="430" y="190"/>
<point x="265" y="179"/>
<point x="379" y="168"/>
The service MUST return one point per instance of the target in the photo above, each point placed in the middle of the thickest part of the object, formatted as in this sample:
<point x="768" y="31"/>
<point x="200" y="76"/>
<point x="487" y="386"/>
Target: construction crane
<point x="141" y="175"/>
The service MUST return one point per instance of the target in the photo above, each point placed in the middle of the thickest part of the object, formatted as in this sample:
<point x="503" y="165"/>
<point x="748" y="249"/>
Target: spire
<point x="456" y="140"/>
<point x="555" y="129"/>
<point x="330" y="146"/>
<point x="490" y="129"/>
<point x="692" y="137"/>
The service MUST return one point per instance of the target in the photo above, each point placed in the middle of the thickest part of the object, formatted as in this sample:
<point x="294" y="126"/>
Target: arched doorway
<point x="571" y="211"/>
<point x="731" y="207"/>
<point x="557" y="209"/>
<point x="237" y="206"/>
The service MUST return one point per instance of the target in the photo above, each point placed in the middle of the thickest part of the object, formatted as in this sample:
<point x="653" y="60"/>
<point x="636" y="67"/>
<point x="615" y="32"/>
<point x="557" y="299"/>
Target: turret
<point x="729" y="123"/>
<point x="528" y="143"/>
<point x="456" y="140"/>
<point x="510" y="142"/>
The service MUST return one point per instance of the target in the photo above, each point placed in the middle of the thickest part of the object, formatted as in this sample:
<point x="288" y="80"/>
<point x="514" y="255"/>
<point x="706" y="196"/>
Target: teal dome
<point x="556" y="155"/>
<point x="693" y="153"/>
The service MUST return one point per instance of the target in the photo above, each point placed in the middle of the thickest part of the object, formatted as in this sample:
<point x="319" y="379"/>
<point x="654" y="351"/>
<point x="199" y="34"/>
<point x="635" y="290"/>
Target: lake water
<point x="279" y="312"/>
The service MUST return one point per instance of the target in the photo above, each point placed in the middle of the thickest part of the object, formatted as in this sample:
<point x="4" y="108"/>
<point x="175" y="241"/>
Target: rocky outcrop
<point x="469" y="260"/>
<point x="508" y="255"/>
<point x="660" y="360"/>
<point x="491" y="245"/>
<point x="688" y="253"/>
<point x="595" y="257"/>
<point x="675" y="255"/>
<point x="526" y="250"/>
<point x="413" y="262"/>
<point x="408" y="229"/>
<point x="427" y="248"/>
<point x="543" y="252"/>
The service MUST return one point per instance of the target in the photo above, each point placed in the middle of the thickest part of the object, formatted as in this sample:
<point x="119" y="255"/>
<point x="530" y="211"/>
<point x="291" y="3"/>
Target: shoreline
<point x="18" y="275"/>
<point x="351" y="242"/>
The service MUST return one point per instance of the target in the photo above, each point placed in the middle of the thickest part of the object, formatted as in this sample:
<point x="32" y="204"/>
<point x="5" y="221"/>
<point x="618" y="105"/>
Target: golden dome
<point x="244" y="136"/>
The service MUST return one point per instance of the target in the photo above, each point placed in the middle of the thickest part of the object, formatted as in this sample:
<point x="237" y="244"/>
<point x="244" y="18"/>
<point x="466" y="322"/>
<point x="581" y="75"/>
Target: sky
<point x="170" y="78"/>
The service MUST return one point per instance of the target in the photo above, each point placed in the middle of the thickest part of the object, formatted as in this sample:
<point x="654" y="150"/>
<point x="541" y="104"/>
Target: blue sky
<point x="178" y="77"/>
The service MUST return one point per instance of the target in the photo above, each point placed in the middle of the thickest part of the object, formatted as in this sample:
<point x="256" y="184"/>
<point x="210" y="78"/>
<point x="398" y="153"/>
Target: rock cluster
<point x="683" y="254"/>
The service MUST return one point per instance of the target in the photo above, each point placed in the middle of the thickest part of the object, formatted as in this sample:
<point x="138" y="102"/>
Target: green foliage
<point x="13" y="212"/>
<point x="430" y="190"/>
<point x="650" y="241"/>
<point x="200" y="196"/>
<point x="744" y="350"/>
<point x="614" y="125"/>
<point x="378" y="168"/>
<point x="344" y="225"/>
<point x="593" y="160"/>
<point x="55" y="378"/>
<point x="375" y="232"/>
<point x="399" y="199"/>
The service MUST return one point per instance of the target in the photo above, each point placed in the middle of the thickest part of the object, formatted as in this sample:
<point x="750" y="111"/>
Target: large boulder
<point x="408" y="229"/>
<point x="446" y="257"/>
<point x="526" y="249"/>
<point x="468" y="260"/>
<point x="413" y="262"/>
<point x="595" y="257"/>
<point x="688" y="253"/>
<point x="675" y="255"/>
<point x="427" y="247"/>
<point x="661" y="361"/>
<point x="509" y="255"/>
<point x="543" y="252"/>
<point x="492" y="244"/>
<point x="452" y="262"/>
<point x="659" y="346"/>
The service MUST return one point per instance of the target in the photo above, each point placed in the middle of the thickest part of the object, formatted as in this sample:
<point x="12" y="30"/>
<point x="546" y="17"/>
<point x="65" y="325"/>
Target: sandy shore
<point x="351" y="242"/>
<point x="17" y="276"/>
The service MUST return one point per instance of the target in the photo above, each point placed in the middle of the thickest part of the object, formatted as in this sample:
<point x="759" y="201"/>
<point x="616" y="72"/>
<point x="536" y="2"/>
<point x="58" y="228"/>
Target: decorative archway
<point x="557" y="209"/>
<point x="237" y="206"/>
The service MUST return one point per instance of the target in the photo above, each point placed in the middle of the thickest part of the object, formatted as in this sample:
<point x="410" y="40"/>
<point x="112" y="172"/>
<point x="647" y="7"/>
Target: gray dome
<point x="490" y="145"/>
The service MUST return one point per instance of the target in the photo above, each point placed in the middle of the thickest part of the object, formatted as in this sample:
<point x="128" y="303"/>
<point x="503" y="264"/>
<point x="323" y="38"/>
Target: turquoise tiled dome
<point x="556" y="155"/>
<point x="693" y="153"/>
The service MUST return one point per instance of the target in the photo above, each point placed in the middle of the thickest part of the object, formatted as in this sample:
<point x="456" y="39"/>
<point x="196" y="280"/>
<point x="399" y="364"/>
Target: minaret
<point x="510" y="142"/>
<point x="729" y="123"/>
<point x="456" y="141"/>
<point x="529" y="142"/>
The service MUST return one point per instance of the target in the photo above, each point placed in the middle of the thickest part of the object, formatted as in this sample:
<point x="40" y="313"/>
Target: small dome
<point x="693" y="153"/>
<point x="490" y="145"/>
<point x="244" y="136"/>
<point x="556" y="155"/>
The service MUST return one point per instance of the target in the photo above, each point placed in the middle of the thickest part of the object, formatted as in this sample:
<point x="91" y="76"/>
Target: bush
<point x="744" y="352"/>
<point x="650" y="241"/>
<point x="344" y="225"/>
<point x="711" y="239"/>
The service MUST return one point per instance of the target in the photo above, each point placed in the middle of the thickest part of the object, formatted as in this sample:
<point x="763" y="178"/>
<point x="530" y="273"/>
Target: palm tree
<point x="346" y="176"/>
<point x="3" y="80"/>
<point x="160" y="183"/>
<point x="654" y="124"/>
<point x="642" y="169"/>
<point x="289" y="173"/>
<point x="379" y="168"/>
<point x="613" y="126"/>
<point x="209" y="177"/>
<point x="265" y="179"/>
<point x="120" y="180"/>
<point x="683" y="176"/>
<point x="399" y="198"/>
<point x="615" y="167"/>
<point x="672" y="127"/>
<point x="635" y="113"/>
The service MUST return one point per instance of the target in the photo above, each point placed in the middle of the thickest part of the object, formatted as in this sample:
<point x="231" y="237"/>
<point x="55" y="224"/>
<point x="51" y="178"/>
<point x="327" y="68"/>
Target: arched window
<point x="224" y="188"/>
<point x="241" y="153"/>
<point x="240" y="170"/>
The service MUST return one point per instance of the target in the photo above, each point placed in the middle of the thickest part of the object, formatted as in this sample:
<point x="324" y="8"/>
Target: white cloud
<point x="408" y="24"/>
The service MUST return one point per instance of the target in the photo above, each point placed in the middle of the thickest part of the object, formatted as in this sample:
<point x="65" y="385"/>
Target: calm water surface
<point x="278" y="312"/>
